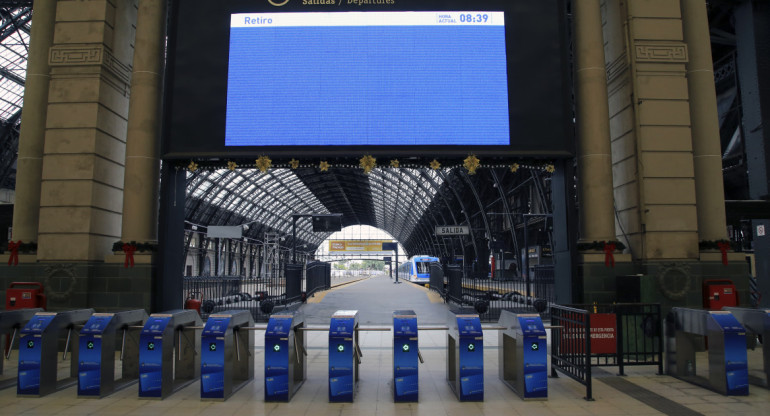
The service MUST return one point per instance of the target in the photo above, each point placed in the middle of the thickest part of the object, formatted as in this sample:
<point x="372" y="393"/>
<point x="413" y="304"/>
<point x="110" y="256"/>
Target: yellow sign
<point x="356" y="245"/>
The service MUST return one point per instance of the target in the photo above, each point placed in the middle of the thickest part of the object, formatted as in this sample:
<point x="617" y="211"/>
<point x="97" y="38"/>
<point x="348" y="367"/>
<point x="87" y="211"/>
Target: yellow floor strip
<point x="432" y="295"/>
<point x="318" y="297"/>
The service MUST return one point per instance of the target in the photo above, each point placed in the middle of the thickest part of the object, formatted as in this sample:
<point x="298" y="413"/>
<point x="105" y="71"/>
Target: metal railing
<point x="638" y="335"/>
<point x="491" y="295"/>
<point x="259" y="296"/>
<point x="570" y="345"/>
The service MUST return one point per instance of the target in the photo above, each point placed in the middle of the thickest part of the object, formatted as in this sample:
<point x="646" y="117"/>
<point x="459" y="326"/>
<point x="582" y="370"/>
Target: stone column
<point x="140" y="191"/>
<point x="29" y="170"/>
<point x="709" y="188"/>
<point x="597" y="219"/>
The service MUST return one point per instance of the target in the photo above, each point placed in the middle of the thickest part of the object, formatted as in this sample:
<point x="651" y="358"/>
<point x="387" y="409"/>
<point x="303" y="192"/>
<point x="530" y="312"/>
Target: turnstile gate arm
<point x="123" y="344"/>
<point x="67" y="344"/>
<point x="10" y="346"/>
<point x="420" y="357"/>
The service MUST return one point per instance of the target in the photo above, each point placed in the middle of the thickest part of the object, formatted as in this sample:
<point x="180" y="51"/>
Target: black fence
<point x="260" y="296"/>
<point x="570" y="346"/>
<point x="617" y="335"/>
<point x="490" y="295"/>
<point x="638" y="337"/>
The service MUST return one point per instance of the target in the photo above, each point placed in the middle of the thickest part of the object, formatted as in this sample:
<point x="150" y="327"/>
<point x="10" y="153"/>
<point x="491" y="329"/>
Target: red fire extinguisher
<point x="192" y="302"/>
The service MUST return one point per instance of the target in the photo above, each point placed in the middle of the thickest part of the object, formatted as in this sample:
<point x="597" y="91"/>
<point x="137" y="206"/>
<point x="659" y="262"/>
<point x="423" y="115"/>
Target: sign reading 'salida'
<point x="333" y="2"/>
<point x="452" y="230"/>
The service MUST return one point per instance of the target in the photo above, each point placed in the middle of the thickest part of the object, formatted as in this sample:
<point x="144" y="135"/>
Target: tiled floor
<point x="374" y="396"/>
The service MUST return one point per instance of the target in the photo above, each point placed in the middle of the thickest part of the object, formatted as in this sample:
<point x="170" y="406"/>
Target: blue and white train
<point x="417" y="269"/>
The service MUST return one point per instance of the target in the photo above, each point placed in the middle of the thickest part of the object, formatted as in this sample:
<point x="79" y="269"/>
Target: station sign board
<point x="452" y="230"/>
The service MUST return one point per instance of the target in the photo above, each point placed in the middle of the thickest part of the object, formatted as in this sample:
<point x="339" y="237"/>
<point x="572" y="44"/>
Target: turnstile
<point x="38" y="348"/>
<point x="344" y="356"/>
<point x="523" y="354"/>
<point x="227" y="363"/>
<point x="96" y="359"/>
<point x="405" y="356"/>
<point x="465" y="355"/>
<point x="10" y="324"/>
<point x="285" y="351"/>
<point x="727" y="361"/>
<point x="168" y="353"/>
<point x="757" y="322"/>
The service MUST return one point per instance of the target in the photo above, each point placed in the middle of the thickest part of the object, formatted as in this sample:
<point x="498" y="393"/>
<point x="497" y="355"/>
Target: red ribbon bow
<point x="723" y="247"/>
<point x="609" y="257"/>
<point x="14" y="247"/>
<point x="129" y="250"/>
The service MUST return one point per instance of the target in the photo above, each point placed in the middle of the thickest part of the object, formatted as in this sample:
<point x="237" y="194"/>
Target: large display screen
<point x="344" y="78"/>
<point x="367" y="78"/>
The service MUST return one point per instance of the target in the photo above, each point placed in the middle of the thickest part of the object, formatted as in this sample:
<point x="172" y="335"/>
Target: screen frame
<point x="194" y="118"/>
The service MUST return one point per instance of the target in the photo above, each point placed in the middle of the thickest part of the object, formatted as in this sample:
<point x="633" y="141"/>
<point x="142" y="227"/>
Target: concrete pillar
<point x="140" y="191"/>
<point x="709" y="188"/>
<point x="81" y="190"/>
<point x="597" y="218"/>
<point x="29" y="169"/>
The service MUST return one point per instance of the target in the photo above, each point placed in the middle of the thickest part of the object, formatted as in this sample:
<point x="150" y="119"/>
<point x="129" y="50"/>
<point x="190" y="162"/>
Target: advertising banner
<point x="356" y="245"/>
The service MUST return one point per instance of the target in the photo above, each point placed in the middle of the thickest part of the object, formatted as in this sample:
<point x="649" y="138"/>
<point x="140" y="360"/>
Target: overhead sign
<point x="452" y="230"/>
<point x="356" y="245"/>
<point x="225" y="231"/>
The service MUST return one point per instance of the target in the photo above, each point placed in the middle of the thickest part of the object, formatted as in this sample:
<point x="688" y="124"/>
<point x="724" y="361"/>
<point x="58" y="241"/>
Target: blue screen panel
<point x="427" y="78"/>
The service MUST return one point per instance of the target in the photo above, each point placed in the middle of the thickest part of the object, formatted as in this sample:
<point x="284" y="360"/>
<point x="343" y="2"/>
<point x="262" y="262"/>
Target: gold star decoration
<point x="435" y="165"/>
<point x="514" y="167"/>
<point x="471" y="163"/>
<point x="324" y="166"/>
<point x="294" y="163"/>
<point x="550" y="168"/>
<point x="231" y="165"/>
<point x="192" y="167"/>
<point x="263" y="163"/>
<point x="367" y="163"/>
<point x="394" y="163"/>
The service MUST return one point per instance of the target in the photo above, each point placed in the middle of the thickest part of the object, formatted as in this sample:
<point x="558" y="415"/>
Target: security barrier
<point x="168" y="358"/>
<point x="726" y="362"/>
<point x="38" y="364"/>
<point x="344" y="356"/>
<point x="10" y="324"/>
<point x="465" y="355"/>
<point x="96" y="352"/>
<point x="285" y="351"/>
<point x="571" y="346"/>
<point x="224" y="368"/>
<point x="405" y="356"/>
<point x="523" y="355"/>
<point x="757" y="323"/>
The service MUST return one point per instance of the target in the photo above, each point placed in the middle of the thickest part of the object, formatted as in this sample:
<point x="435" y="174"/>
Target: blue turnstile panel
<point x="342" y="357"/>
<point x="405" y="372"/>
<point x="151" y="356"/>
<point x="535" y="355"/>
<point x="277" y="358"/>
<point x="213" y="358"/>
<point x="90" y="355"/>
<point x="471" y="358"/>
<point x="735" y="356"/>
<point x="30" y="353"/>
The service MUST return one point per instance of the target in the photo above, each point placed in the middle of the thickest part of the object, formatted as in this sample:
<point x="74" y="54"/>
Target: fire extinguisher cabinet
<point x="24" y="295"/>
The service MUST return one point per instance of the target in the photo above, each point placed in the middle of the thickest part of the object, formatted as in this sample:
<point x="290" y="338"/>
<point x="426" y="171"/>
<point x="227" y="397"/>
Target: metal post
<point x="396" y="250"/>
<point x="526" y="259"/>
<point x="293" y="238"/>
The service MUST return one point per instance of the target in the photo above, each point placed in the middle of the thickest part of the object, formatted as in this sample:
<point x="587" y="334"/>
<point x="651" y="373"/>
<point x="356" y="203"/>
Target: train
<point x="417" y="269"/>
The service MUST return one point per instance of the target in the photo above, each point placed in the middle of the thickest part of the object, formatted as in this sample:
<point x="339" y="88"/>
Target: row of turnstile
<point x="165" y="352"/>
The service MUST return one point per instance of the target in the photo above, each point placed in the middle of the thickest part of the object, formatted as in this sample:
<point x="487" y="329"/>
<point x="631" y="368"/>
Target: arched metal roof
<point x="15" y="18"/>
<point x="408" y="203"/>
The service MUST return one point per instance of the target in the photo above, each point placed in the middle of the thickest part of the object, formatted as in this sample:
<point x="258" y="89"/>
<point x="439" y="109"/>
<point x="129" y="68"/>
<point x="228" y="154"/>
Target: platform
<point x="640" y="393"/>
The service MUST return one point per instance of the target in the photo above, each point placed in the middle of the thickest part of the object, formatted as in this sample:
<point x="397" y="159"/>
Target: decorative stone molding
<point x="661" y="52"/>
<point x="67" y="55"/>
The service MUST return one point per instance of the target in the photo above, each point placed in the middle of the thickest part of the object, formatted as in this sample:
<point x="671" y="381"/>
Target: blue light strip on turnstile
<point x="30" y="350"/>
<point x="90" y="355"/>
